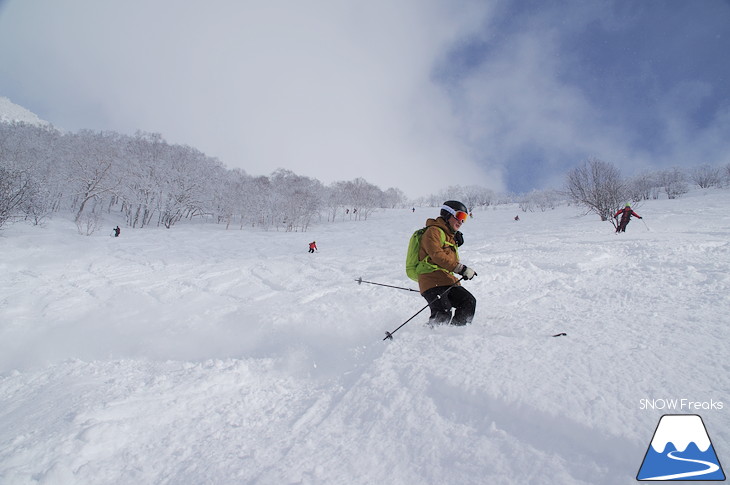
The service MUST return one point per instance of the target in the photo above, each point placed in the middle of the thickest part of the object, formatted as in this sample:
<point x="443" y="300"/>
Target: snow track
<point x="199" y="355"/>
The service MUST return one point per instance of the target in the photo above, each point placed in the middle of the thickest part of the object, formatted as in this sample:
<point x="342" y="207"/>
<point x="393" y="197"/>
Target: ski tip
<point x="562" y="334"/>
<point x="388" y="335"/>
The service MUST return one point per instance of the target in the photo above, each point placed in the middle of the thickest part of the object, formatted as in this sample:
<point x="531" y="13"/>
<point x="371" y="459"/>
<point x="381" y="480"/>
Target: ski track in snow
<point x="199" y="355"/>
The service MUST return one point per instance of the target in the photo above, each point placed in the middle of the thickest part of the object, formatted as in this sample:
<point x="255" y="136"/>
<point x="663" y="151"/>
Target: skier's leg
<point x="440" y="307"/>
<point x="465" y="305"/>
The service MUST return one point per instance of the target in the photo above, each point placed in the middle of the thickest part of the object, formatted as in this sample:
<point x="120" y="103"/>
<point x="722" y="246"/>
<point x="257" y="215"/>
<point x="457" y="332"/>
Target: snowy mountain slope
<point x="10" y="112"/>
<point x="198" y="355"/>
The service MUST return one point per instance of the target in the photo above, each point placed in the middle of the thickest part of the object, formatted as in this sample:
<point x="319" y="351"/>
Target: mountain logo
<point x="681" y="450"/>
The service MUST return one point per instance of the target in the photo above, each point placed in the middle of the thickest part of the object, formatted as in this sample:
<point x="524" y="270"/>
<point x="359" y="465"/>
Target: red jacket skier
<point x="312" y="246"/>
<point x="626" y="214"/>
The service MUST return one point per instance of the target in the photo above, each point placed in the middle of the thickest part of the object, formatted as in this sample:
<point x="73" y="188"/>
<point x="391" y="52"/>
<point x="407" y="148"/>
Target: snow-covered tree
<point x="393" y="198"/>
<point x="184" y="194"/>
<point x="541" y="200"/>
<point x="363" y="196"/>
<point x="477" y="196"/>
<point x="299" y="199"/>
<point x="674" y="182"/>
<point x="30" y="182"/>
<point x="706" y="176"/>
<point x="15" y="189"/>
<point x="144" y="179"/>
<point x="92" y="159"/>
<point x="598" y="186"/>
<point x="643" y="187"/>
<point x="336" y="199"/>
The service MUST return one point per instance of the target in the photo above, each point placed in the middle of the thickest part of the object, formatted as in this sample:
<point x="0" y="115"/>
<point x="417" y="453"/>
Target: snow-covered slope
<point x="199" y="355"/>
<point x="10" y="112"/>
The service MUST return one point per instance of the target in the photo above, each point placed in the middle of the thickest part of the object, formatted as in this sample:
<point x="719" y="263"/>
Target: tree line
<point x="601" y="189"/>
<point x="155" y="183"/>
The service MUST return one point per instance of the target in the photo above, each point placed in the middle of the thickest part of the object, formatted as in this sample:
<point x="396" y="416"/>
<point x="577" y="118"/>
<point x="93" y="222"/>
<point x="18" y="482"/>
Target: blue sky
<point x="414" y="94"/>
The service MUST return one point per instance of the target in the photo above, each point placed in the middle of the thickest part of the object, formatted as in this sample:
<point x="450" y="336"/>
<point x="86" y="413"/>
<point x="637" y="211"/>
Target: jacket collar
<point x="441" y="223"/>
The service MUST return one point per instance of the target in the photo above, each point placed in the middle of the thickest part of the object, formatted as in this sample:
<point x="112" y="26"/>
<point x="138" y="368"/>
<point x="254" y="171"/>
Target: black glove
<point x="467" y="273"/>
<point x="458" y="238"/>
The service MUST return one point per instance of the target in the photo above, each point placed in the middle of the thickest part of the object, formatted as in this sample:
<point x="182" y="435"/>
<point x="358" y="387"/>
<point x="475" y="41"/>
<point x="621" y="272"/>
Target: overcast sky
<point x="414" y="94"/>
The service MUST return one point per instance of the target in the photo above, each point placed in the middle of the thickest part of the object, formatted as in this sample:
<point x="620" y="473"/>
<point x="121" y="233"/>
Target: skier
<point x="626" y="214"/>
<point x="117" y="231"/>
<point x="313" y="246"/>
<point x="439" y="247"/>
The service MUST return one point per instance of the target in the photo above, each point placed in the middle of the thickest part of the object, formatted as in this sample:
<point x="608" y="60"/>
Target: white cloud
<point x="337" y="90"/>
<point x="333" y="90"/>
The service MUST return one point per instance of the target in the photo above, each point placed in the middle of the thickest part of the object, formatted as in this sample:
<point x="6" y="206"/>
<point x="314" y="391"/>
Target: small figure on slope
<point x="626" y="214"/>
<point x="313" y="246"/>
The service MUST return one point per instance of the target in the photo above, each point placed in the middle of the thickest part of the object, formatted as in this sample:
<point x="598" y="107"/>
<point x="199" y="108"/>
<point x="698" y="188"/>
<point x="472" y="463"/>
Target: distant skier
<point x="313" y="246"/>
<point x="439" y="258"/>
<point x="626" y="214"/>
<point x="117" y="231"/>
<point x="517" y="218"/>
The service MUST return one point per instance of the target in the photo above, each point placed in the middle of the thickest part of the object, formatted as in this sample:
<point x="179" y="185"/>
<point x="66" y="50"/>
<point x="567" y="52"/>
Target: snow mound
<point x="10" y="112"/>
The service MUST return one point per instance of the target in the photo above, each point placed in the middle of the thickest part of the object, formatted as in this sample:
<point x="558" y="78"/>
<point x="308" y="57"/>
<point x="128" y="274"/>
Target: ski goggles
<point x="459" y="215"/>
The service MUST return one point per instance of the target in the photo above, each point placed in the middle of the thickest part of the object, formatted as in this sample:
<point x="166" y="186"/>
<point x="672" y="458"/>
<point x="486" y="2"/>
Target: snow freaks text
<point x="680" y="405"/>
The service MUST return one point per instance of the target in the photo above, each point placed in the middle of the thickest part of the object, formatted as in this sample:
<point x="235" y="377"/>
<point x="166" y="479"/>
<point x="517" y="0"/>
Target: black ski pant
<point x="622" y="225"/>
<point x="457" y="297"/>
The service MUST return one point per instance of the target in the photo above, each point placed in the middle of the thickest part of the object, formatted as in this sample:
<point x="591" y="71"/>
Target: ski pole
<point x="360" y="281"/>
<point x="647" y="227"/>
<point x="389" y="335"/>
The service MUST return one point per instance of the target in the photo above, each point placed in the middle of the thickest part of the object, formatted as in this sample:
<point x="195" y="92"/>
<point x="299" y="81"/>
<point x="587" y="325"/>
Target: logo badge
<point x="681" y="450"/>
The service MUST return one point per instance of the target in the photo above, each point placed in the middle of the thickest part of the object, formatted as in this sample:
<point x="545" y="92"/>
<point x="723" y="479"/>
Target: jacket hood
<point x="441" y="223"/>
